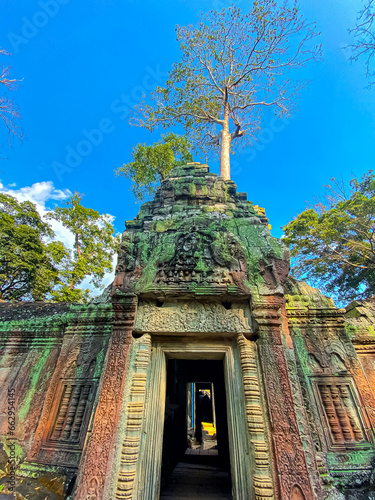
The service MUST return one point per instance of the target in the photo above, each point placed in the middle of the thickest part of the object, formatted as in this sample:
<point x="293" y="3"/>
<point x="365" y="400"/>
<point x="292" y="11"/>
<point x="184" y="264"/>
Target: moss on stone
<point x="192" y="189"/>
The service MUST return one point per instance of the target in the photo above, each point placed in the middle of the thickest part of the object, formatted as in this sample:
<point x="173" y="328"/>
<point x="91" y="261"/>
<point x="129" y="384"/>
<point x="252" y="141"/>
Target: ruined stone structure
<point x="199" y="280"/>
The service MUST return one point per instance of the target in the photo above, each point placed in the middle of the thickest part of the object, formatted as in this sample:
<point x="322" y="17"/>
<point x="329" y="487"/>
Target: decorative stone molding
<point x="262" y="478"/>
<point x="134" y="411"/>
<point x="191" y="317"/>
<point x="290" y="461"/>
<point x="147" y="483"/>
<point x="97" y="458"/>
<point x="339" y="405"/>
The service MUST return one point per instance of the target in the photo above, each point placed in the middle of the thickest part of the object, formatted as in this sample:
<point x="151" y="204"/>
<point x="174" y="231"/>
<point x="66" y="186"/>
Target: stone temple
<point x="109" y="396"/>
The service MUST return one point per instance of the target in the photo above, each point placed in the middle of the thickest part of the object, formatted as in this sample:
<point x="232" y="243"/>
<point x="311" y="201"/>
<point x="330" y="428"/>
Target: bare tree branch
<point x="364" y="39"/>
<point x="9" y="111"/>
<point x="233" y="65"/>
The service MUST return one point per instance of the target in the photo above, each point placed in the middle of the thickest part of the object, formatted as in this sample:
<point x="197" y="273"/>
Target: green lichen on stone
<point x="162" y="252"/>
<point x="301" y="351"/>
<point x="99" y="362"/>
<point x="17" y="448"/>
<point x="163" y="225"/>
<point x="192" y="200"/>
<point x="200" y="265"/>
<point x="192" y="189"/>
<point x="36" y="370"/>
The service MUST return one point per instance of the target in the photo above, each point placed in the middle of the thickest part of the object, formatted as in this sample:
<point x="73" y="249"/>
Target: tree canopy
<point x="94" y="248"/>
<point x="26" y="267"/>
<point x="34" y="265"/>
<point x="332" y="244"/>
<point x="233" y="66"/>
<point x="153" y="163"/>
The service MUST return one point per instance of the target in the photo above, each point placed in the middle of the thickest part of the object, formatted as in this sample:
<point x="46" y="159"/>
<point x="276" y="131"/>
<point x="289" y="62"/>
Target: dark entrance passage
<point x="195" y="460"/>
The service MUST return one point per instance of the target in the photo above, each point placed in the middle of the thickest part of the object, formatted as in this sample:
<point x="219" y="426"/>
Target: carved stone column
<point x="96" y="460"/>
<point x="262" y="478"/>
<point x="290" y="462"/>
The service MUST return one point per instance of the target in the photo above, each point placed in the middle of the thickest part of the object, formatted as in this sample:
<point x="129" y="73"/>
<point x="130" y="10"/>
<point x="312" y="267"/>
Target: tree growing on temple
<point x="94" y="248"/>
<point x="364" y="39"/>
<point x="233" y="66"/>
<point x="151" y="164"/>
<point x="333" y="244"/>
<point x="9" y="112"/>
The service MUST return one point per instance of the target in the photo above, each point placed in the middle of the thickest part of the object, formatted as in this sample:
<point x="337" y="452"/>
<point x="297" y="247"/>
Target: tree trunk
<point x="225" y="147"/>
<point x="78" y="247"/>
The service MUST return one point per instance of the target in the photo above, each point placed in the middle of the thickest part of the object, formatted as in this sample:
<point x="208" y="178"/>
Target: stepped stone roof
<point x="199" y="237"/>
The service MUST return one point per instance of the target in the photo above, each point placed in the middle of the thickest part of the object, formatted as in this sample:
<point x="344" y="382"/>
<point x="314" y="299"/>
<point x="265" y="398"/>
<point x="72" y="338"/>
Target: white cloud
<point x="41" y="193"/>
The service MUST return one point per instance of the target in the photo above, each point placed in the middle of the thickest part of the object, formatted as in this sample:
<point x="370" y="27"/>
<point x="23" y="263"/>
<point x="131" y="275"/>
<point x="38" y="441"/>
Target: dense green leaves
<point x="233" y="65"/>
<point x="153" y="163"/>
<point x="26" y="266"/>
<point x="35" y="266"/>
<point x="333" y="244"/>
<point x="94" y="247"/>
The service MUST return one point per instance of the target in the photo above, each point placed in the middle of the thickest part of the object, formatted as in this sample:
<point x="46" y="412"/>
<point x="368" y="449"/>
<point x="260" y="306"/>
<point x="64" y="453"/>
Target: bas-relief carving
<point x="290" y="461"/>
<point x="191" y="318"/>
<point x="67" y="358"/>
<point x="334" y="375"/>
<point x="306" y="432"/>
<point x="262" y="478"/>
<point x="99" y="451"/>
<point x="133" y="418"/>
<point x="199" y="258"/>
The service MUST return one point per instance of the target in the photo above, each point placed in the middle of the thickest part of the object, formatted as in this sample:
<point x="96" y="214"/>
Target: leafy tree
<point x="364" y="34"/>
<point x="94" y="247"/>
<point x="233" y="66"/>
<point x="27" y="269"/>
<point x="9" y="112"/>
<point x="35" y="266"/>
<point x="333" y="243"/>
<point x="153" y="163"/>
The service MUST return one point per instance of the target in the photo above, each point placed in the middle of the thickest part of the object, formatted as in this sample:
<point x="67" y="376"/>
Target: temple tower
<point x="199" y="277"/>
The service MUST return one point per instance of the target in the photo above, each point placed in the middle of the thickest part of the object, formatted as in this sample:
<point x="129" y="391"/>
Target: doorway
<point x="158" y="455"/>
<point x="195" y="458"/>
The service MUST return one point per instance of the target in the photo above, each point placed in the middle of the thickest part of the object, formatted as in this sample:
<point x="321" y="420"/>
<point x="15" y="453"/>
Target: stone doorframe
<point x="148" y="474"/>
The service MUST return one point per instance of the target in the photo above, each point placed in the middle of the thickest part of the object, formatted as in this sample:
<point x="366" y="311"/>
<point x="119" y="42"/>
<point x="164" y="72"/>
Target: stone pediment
<point x="199" y="257"/>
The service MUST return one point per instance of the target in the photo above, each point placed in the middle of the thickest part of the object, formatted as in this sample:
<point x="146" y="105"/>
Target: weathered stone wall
<point x="337" y="393"/>
<point x="51" y="360"/>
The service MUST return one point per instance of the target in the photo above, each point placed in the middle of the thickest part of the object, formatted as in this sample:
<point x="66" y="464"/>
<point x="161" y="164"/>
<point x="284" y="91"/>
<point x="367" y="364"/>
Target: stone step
<point x="197" y="480"/>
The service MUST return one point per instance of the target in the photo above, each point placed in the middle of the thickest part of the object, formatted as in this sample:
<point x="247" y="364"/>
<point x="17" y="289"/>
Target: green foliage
<point x="333" y="243"/>
<point x="27" y="267"/>
<point x="153" y="163"/>
<point x="34" y="266"/>
<point x="233" y="65"/>
<point x="94" y="248"/>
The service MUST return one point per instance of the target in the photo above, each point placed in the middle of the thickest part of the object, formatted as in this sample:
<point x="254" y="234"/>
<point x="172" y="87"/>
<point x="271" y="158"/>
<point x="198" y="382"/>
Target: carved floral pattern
<point x="192" y="317"/>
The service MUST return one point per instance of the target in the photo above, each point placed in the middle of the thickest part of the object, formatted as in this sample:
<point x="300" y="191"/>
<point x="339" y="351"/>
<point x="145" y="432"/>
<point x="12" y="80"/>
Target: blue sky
<point x="83" y="63"/>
